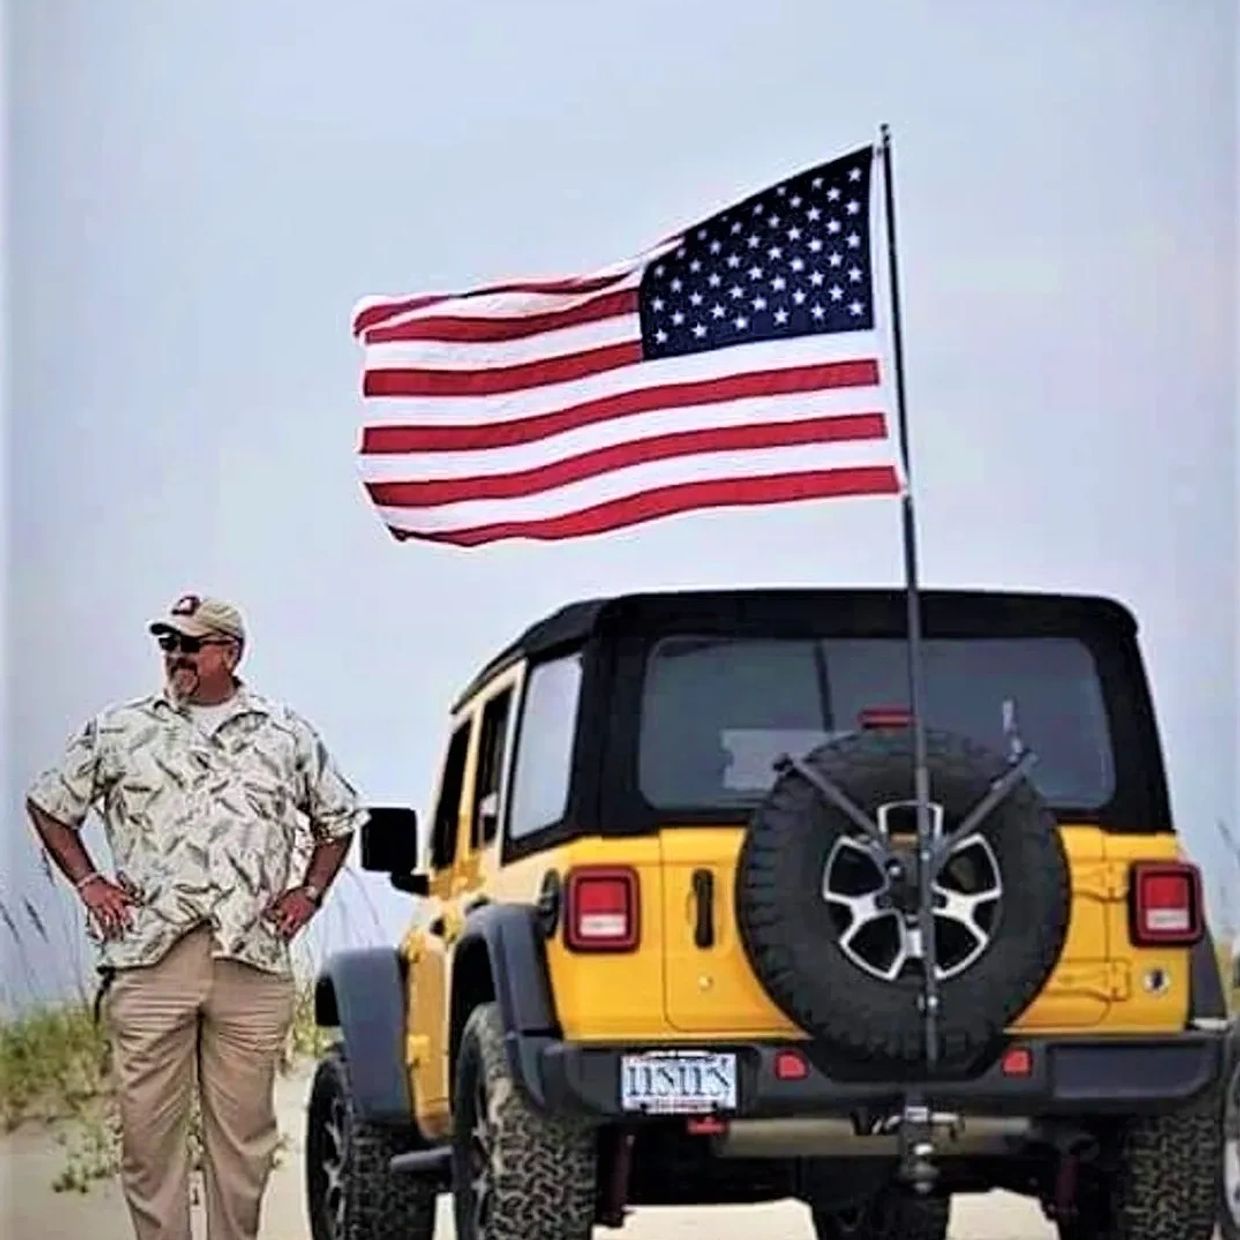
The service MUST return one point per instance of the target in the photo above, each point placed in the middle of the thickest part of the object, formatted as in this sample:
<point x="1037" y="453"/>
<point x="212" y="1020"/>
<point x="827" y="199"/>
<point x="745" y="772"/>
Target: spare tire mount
<point x="833" y="900"/>
<point x="908" y="879"/>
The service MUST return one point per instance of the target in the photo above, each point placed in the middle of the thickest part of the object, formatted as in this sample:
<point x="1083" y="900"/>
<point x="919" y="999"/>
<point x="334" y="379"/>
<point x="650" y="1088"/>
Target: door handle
<point x="704" y="899"/>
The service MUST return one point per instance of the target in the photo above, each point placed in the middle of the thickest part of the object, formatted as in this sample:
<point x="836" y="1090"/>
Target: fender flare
<point x="1205" y="987"/>
<point x="515" y="950"/>
<point x="362" y="992"/>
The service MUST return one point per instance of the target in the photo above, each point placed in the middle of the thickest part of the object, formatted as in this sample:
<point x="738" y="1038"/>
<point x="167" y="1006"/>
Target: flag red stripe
<point x="396" y="439"/>
<point x="620" y="455"/>
<point x="457" y="327"/>
<point x="373" y="315"/>
<point x="664" y="501"/>
<point x="376" y="314"/>
<point x="501" y="378"/>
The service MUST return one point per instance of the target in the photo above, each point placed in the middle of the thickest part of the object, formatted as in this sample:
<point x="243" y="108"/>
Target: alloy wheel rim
<point x="333" y="1164"/>
<point x="881" y="940"/>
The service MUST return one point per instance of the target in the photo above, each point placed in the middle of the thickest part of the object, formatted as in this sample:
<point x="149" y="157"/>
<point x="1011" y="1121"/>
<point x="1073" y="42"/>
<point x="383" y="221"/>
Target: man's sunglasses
<point x="188" y="645"/>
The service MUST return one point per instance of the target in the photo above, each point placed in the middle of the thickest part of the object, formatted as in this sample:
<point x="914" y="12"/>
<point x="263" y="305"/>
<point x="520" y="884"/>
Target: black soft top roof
<point x="868" y="610"/>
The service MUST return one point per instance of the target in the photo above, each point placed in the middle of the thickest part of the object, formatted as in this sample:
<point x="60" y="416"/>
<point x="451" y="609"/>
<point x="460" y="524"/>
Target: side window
<point x="545" y="746"/>
<point x="443" y="830"/>
<point x="492" y="747"/>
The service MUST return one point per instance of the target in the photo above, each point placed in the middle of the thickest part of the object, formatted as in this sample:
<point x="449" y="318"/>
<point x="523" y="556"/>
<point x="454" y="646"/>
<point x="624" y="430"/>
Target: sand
<point x="30" y="1159"/>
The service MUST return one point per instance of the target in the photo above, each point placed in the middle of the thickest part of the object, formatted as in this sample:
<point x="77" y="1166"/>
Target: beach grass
<point x="55" y="1051"/>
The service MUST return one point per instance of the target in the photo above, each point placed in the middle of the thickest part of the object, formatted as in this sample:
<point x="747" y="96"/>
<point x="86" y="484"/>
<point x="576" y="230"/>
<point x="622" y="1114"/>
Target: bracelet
<point x="87" y="878"/>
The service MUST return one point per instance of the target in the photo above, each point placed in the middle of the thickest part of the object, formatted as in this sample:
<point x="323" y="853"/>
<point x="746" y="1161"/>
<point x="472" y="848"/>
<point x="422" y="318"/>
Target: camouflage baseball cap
<point x="196" y="616"/>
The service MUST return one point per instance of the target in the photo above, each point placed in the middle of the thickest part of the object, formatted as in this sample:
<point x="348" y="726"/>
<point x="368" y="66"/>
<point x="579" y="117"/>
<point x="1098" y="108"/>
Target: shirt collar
<point x="243" y="702"/>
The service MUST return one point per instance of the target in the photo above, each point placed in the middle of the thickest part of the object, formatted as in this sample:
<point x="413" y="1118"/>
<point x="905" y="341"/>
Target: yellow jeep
<point x="678" y="943"/>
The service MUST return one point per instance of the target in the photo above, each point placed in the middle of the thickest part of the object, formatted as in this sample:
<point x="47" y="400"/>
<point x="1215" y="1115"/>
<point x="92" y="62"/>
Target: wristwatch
<point x="313" y="894"/>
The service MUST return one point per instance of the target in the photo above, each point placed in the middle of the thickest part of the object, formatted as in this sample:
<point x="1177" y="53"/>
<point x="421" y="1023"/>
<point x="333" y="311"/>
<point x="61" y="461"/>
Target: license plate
<point x="678" y="1082"/>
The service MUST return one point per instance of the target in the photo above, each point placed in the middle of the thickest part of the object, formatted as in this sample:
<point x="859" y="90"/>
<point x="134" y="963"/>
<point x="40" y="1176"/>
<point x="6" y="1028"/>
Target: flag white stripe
<point x="793" y="407"/>
<point x="690" y="368"/>
<point x="620" y="483"/>
<point x="541" y="302"/>
<point x="458" y="355"/>
<point x="508" y="305"/>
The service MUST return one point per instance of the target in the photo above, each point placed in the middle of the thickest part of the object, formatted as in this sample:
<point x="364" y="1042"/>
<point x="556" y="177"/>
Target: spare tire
<point x="821" y="922"/>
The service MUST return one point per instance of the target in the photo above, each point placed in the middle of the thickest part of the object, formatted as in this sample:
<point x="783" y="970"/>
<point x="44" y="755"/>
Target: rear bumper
<point x="1069" y="1076"/>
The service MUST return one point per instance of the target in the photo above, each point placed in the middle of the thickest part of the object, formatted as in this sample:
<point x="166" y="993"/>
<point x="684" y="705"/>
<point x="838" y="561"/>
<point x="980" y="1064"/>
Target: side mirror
<point x="390" y="846"/>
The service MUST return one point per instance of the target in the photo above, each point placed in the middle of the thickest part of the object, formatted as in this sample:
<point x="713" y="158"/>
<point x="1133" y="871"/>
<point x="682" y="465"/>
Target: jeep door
<point x="488" y="792"/>
<point x="428" y="945"/>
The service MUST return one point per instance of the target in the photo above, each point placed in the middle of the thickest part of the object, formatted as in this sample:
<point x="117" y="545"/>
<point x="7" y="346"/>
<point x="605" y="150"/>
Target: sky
<point x="197" y="194"/>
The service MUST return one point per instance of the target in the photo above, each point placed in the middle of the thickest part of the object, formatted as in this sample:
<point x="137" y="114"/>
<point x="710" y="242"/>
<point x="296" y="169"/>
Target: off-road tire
<point x="543" y="1167"/>
<point x="1158" y="1179"/>
<point x="892" y="1214"/>
<point x="793" y="943"/>
<point x="376" y="1205"/>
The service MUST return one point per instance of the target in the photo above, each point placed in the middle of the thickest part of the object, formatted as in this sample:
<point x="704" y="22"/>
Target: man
<point x="200" y="787"/>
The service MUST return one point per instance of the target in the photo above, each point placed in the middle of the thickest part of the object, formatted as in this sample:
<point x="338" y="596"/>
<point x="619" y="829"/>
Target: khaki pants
<point x="185" y="1017"/>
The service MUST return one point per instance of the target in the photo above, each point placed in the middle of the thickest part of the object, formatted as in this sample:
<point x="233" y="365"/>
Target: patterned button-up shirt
<point x="205" y="827"/>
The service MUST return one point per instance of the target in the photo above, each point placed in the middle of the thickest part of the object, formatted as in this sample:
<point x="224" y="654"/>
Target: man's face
<point x="195" y="663"/>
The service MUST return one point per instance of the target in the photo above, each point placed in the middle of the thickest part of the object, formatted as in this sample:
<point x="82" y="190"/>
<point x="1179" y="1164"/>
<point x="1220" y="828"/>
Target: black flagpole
<point x="921" y="773"/>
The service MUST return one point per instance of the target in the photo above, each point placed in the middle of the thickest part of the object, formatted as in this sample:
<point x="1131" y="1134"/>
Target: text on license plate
<point x="678" y="1082"/>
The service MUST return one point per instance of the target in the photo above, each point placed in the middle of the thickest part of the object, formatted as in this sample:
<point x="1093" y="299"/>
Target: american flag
<point x="738" y="362"/>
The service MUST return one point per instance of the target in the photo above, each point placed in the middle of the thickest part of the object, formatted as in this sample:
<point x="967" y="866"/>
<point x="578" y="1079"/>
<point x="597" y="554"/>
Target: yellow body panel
<point x="429" y="959"/>
<point x="670" y="990"/>
<point x="1079" y="993"/>
<point x="1158" y="977"/>
<point x="603" y="996"/>
<point x="426" y="1056"/>
<point x="712" y="990"/>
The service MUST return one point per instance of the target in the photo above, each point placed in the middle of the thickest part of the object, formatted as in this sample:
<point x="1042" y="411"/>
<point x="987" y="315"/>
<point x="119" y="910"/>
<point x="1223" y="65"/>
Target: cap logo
<point x="186" y="605"/>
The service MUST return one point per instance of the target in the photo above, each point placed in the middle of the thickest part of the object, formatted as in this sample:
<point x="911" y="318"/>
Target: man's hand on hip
<point x="108" y="904"/>
<point x="291" y="910"/>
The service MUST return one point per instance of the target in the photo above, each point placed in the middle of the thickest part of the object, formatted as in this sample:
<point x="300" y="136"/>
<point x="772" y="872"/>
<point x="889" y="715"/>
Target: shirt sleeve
<point x="329" y="801"/>
<point x="67" y="790"/>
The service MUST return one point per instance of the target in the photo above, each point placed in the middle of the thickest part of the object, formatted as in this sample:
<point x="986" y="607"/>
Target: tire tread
<point x="379" y="1205"/>
<point x="545" y="1189"/>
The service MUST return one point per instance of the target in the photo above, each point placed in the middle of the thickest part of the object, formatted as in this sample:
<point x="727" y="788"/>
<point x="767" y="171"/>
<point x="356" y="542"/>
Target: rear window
<point x="716" y="713"/>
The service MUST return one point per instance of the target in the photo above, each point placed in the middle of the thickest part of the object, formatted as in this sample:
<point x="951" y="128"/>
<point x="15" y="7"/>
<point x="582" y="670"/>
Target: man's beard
<point x="183" y="681"/>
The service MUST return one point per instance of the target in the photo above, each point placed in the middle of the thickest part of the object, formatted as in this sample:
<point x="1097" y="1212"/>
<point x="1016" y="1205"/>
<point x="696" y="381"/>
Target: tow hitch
<point x="923" y="1133"/>
<point x="917" y="1126"/>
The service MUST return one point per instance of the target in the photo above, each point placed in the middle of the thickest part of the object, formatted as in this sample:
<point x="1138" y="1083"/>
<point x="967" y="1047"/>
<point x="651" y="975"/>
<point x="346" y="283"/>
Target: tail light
<point x="791" y="1066"/>
<point x="1017" y="1061"/>
<point x="1166" y="906"/>
<point x="602" y="909"/>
